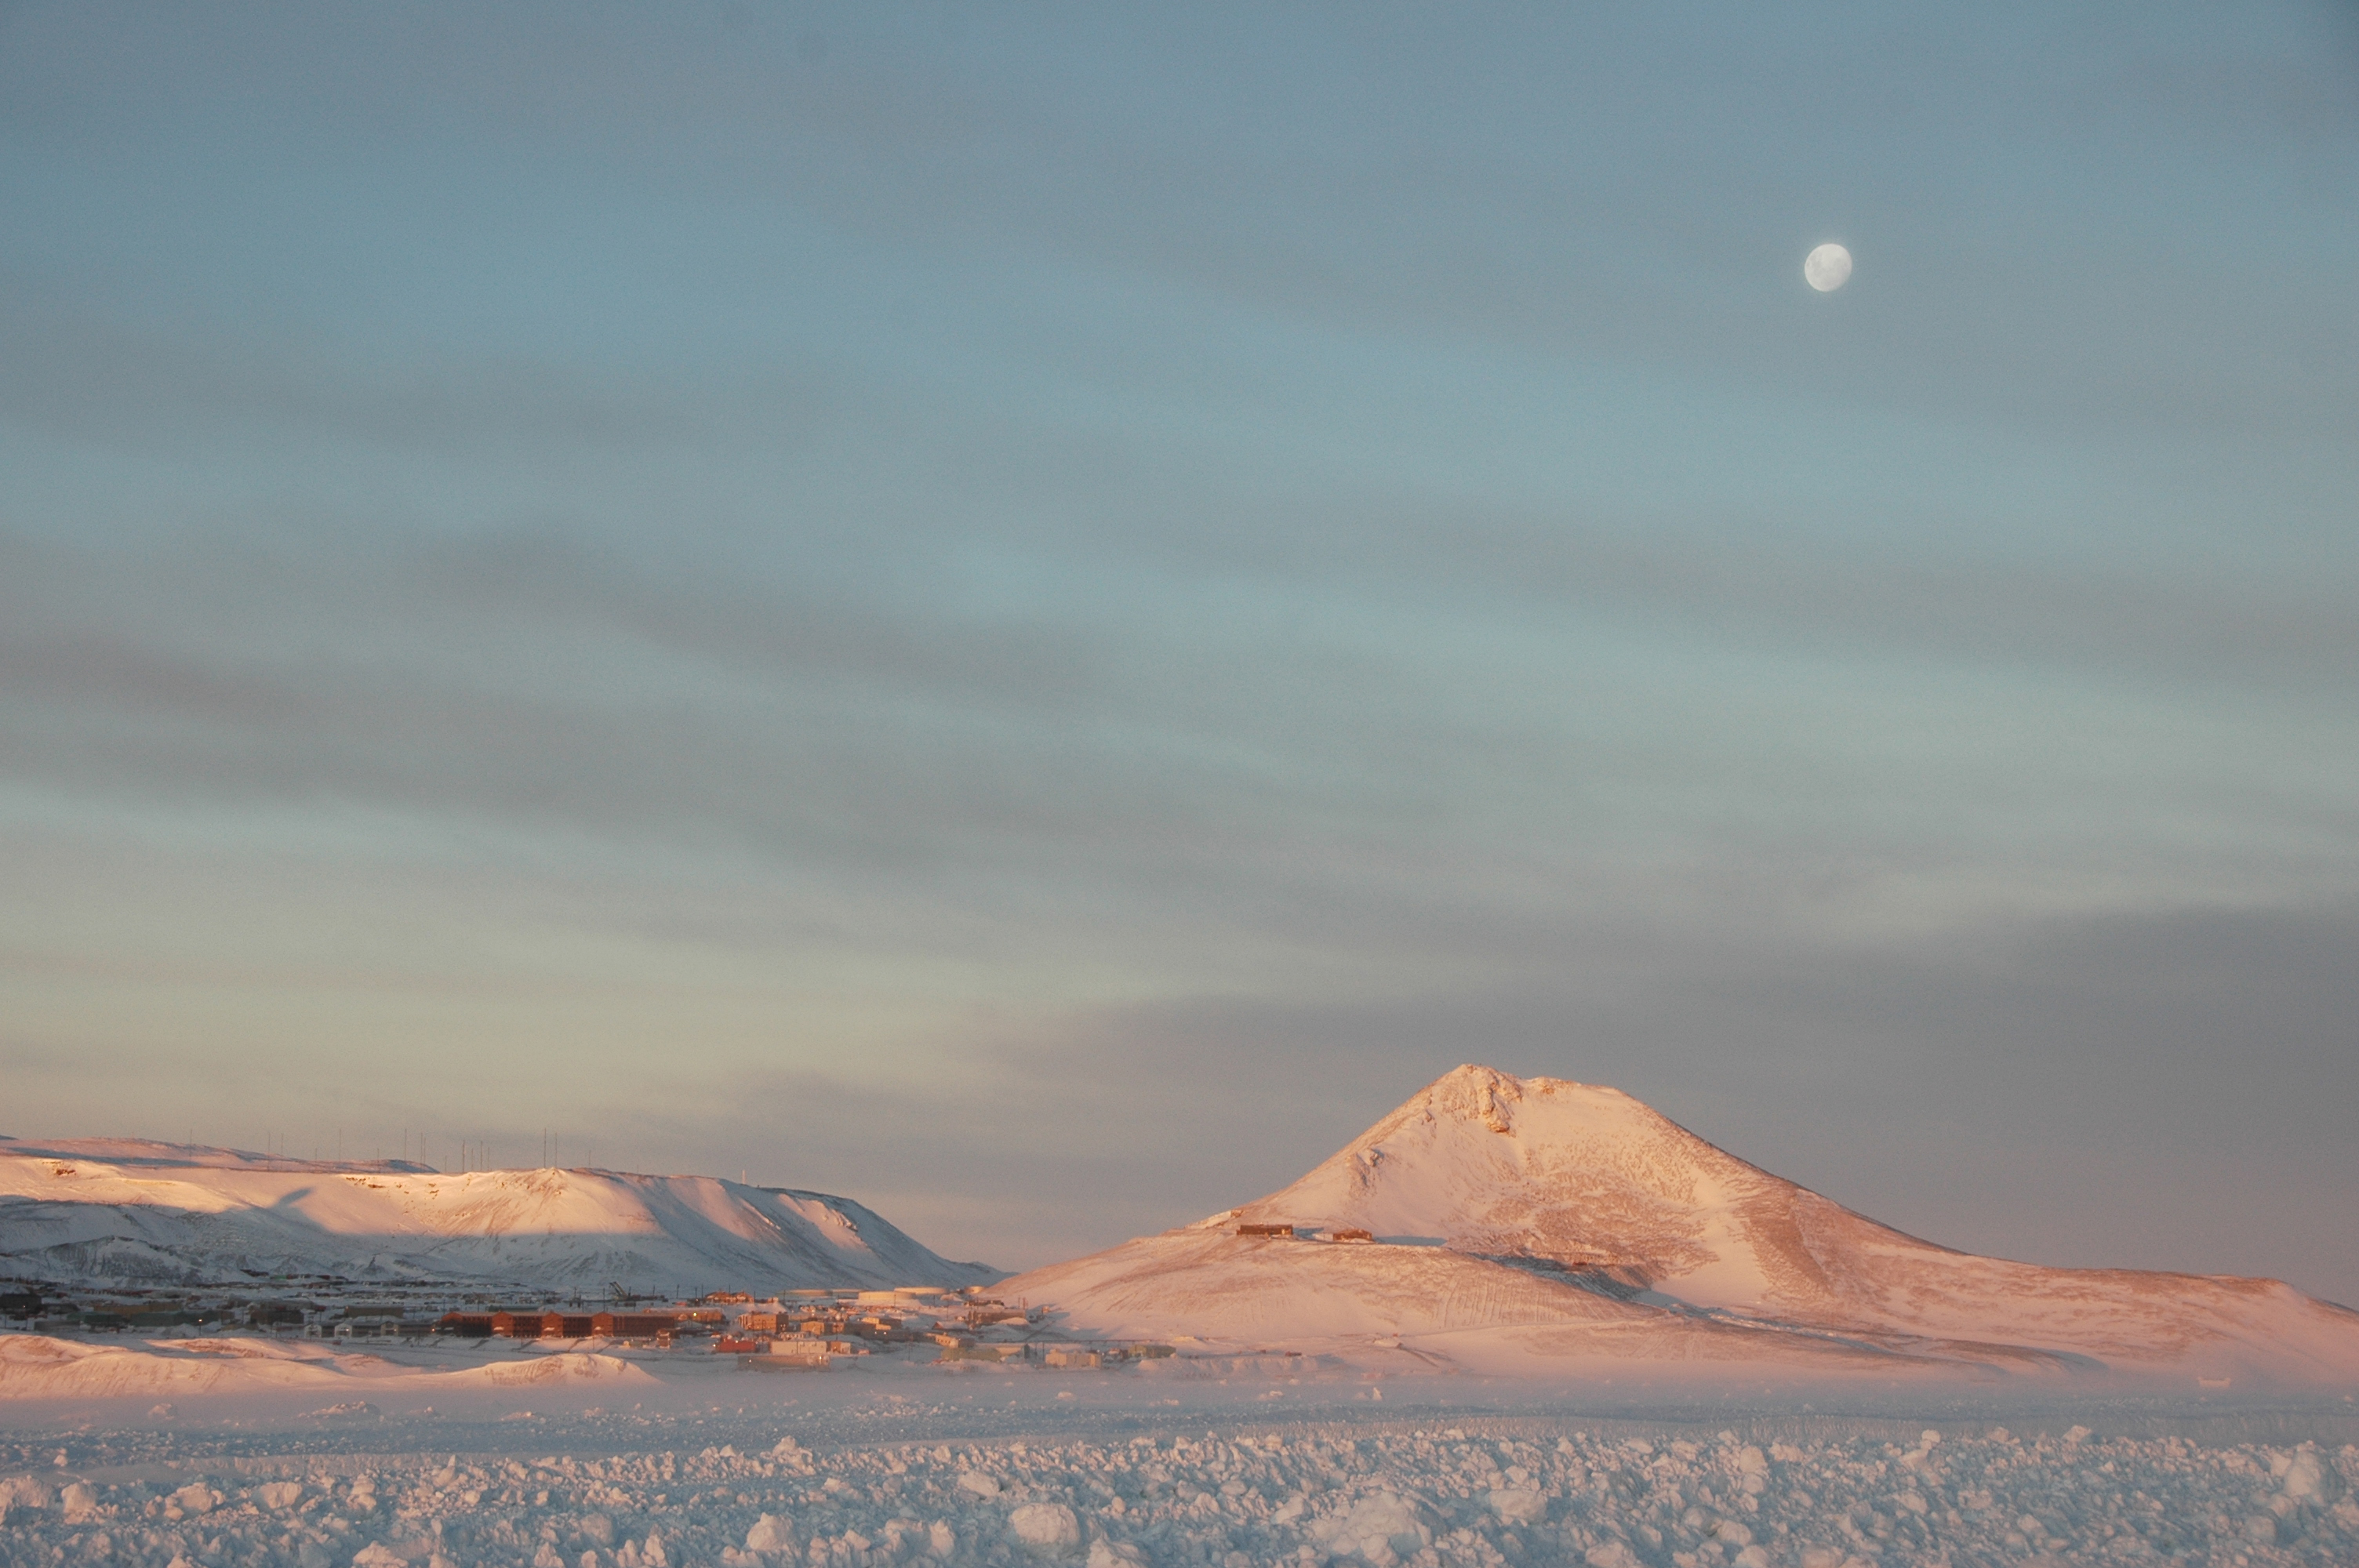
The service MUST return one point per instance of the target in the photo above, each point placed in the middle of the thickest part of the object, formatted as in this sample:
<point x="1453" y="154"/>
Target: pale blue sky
<point x="1033" y="617"/>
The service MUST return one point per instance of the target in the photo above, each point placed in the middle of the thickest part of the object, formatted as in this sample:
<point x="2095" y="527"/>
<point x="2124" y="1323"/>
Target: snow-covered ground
<point x="656" y="1461"/>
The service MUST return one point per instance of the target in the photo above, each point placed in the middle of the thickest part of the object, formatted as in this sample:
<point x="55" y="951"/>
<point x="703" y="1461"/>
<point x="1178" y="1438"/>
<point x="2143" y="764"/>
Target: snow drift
<point x="1518" y="1218"/>
<point x="131" y="1211"/>
<point x="35" y="1366"/>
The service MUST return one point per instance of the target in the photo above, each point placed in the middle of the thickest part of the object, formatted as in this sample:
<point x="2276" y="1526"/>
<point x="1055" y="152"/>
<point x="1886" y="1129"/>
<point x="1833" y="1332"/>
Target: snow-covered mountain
<point x="124" y="1209"/>
<point x="1588" y="1225"/>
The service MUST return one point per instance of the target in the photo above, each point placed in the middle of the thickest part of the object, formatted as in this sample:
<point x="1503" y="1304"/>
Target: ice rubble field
<point x="855" y="1470"/>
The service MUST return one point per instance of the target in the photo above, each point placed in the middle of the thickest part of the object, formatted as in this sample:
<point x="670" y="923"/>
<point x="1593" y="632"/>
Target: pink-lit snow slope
<point x="1537" y="1223"/>
<point x="116" y="1210"/>
<point x="35" y="1366"/>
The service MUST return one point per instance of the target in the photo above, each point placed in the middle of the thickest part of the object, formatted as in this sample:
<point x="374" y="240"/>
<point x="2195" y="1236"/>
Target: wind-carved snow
<point x="1327" y="1492"/>
<point x="39" y="1366"/>
<point x="1525" y="1222"/>
<point x="85" y="1210"/>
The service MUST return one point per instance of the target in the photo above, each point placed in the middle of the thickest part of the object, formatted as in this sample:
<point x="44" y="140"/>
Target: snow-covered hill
<point x="85" y="1210"/>
<point x="1588" y="1225"/>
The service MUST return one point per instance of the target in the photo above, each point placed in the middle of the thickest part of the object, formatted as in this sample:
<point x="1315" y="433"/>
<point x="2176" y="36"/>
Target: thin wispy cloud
<point x="1065" y="604"/>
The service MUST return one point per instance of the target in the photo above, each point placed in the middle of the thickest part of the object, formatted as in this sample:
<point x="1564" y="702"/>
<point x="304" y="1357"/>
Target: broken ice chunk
<point x="1044" y="1527"/>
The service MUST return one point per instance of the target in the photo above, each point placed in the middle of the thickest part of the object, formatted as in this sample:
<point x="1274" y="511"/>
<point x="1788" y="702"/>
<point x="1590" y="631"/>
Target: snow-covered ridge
<point x="85" y="1210"/>
<point x="1517" y="1218"/>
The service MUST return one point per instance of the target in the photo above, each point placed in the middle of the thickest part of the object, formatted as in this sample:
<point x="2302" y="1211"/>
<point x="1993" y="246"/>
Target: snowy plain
<point x="493" y="1453"/>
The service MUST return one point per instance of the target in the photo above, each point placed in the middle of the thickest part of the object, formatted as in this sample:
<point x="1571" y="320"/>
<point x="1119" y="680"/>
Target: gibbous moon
<point x="1827" y="269"/>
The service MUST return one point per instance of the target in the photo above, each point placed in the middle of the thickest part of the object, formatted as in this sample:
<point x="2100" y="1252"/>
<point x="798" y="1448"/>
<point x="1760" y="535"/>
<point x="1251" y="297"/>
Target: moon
<point x="1827" y="269"/>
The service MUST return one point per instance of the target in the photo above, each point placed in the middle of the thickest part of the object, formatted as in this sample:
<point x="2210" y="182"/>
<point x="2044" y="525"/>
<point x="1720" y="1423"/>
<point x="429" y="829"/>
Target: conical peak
<point x="1495" y="1163"/>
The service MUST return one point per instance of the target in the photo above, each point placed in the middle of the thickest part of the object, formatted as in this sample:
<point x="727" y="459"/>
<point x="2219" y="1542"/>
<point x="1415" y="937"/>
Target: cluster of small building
<point x="792" y="1330"/>
<point x="326" y="1310"/>
<point x="1294" y="1232"/>
<point x="139" y="1311"/>
<point x="810" y="1329"/>
<point x="658" y="1327"/>
<point x="797" y="1326"/>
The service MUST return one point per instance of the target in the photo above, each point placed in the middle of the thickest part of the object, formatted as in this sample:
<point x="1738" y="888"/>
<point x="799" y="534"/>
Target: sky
<point x="1034" y="615"/>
